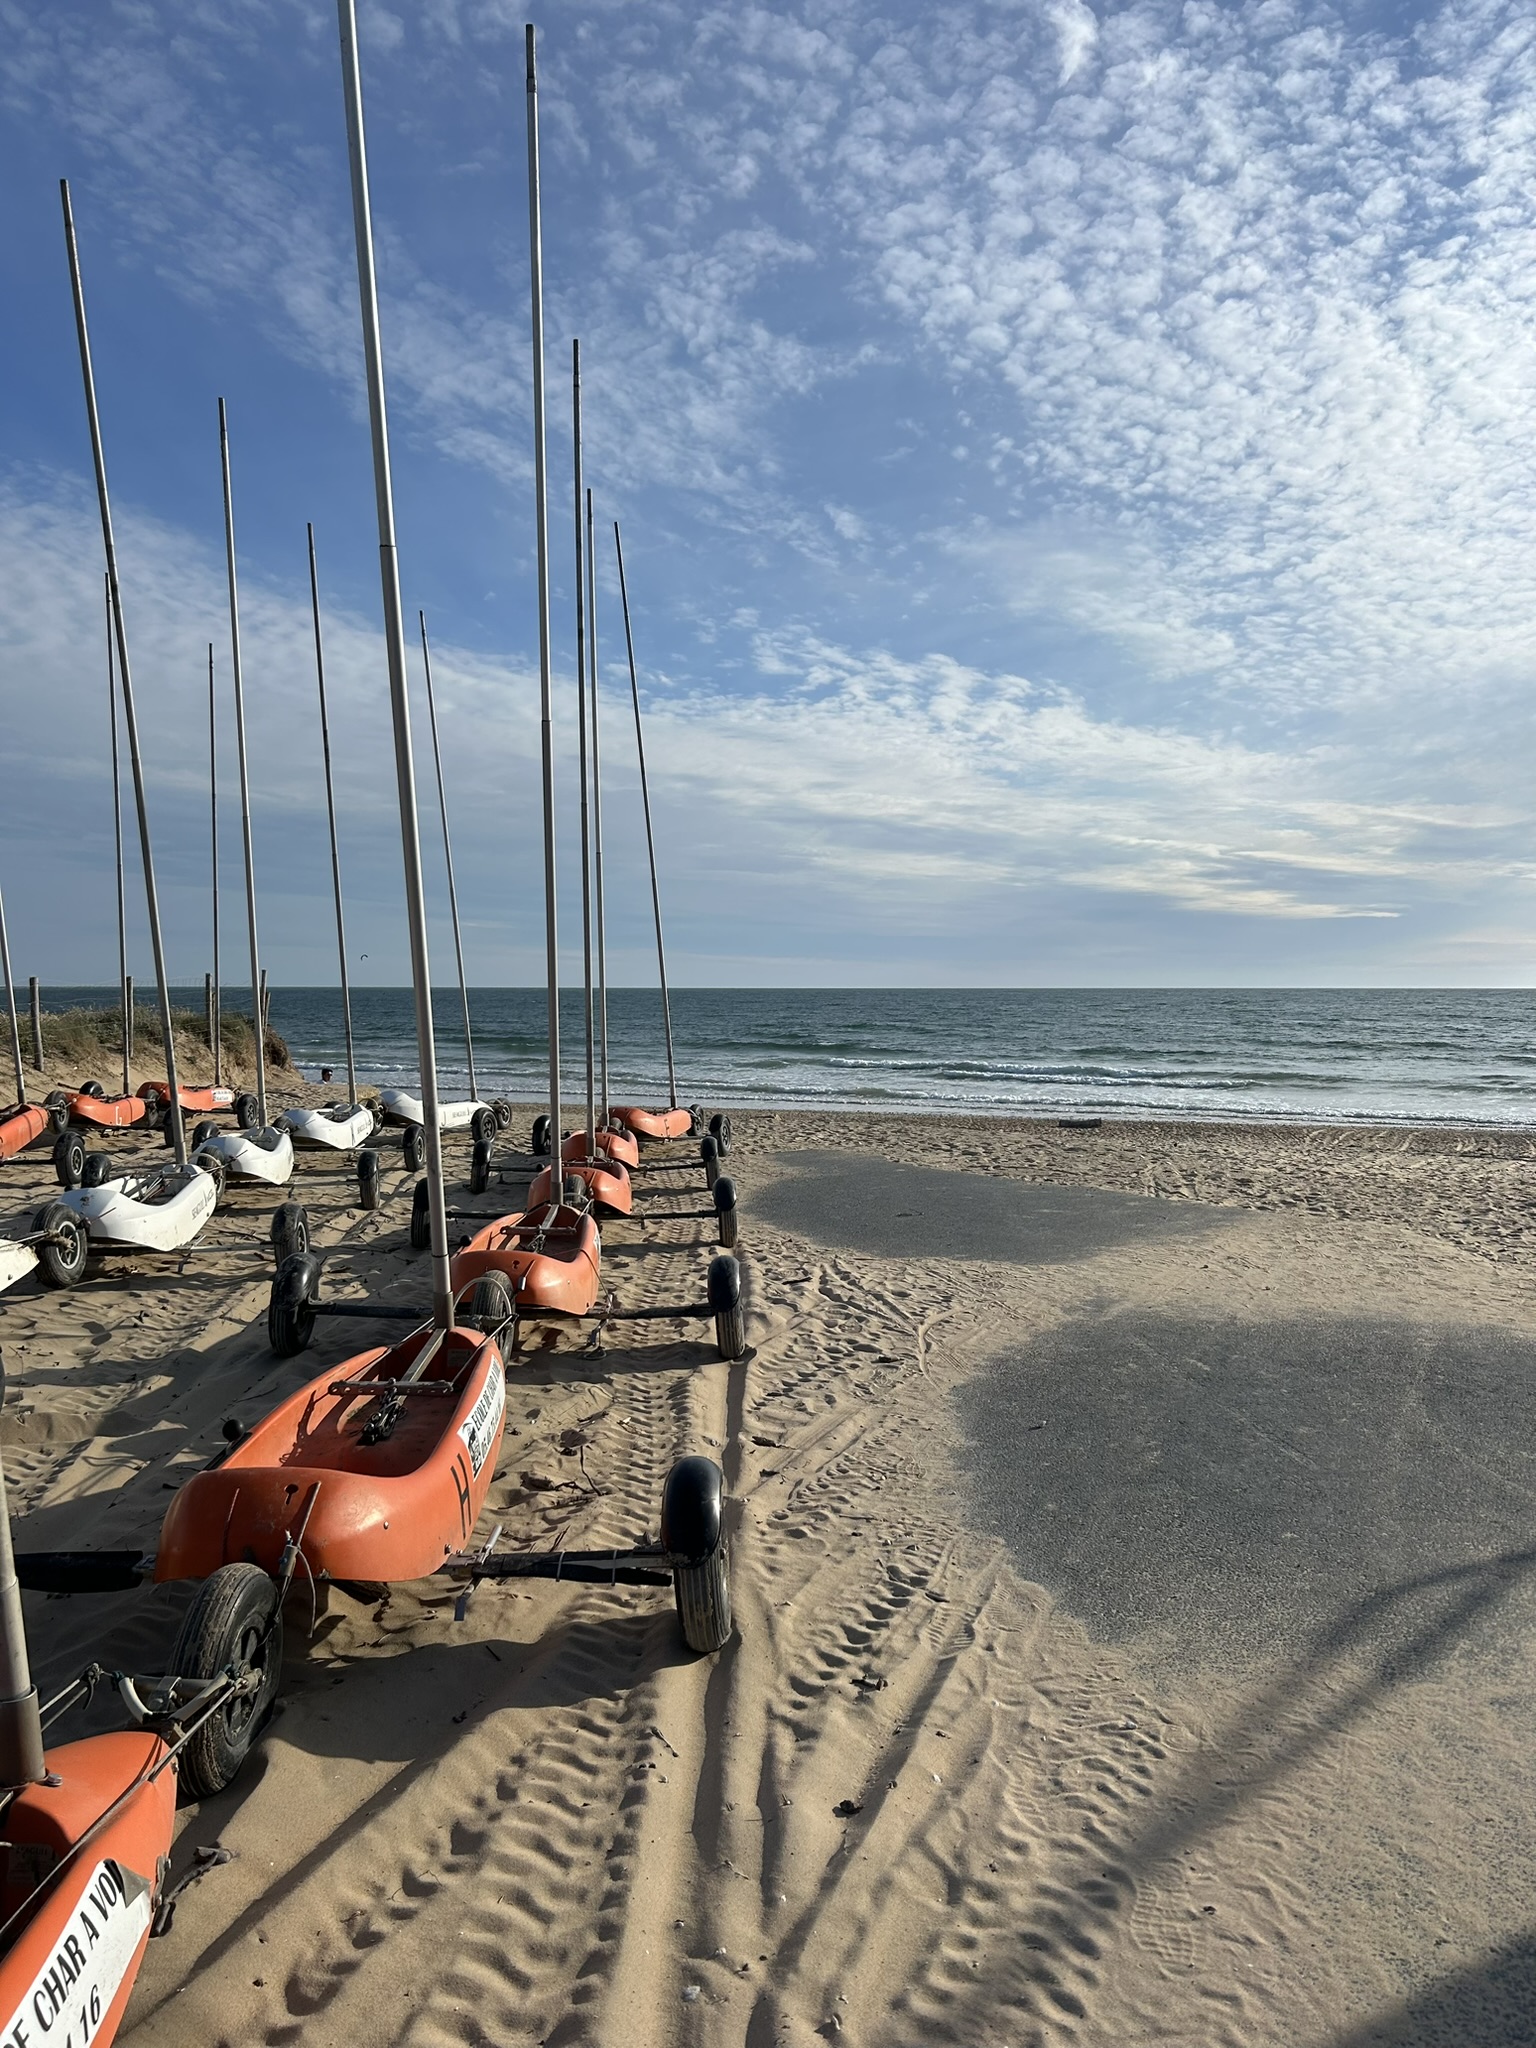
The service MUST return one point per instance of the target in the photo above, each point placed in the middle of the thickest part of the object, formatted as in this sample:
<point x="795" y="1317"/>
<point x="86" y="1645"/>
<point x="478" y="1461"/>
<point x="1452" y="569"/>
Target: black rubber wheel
<point x="480" y="1167"/>
<point x="97" y="1168"/>
<point x="482" y="1125"/>
<point x="368" y="1179"/>
<point x="234" y="1622"/>
<point x="61" y="1255"/>
<point x="720" y="1130"/>
<point x="58" y="1113"/>
<point x="92" y="1088"/>
<point x="421" y="1218"/>
<point x="203" y="1131"/>
<point x="154" y="1113"/>
<point x="413" y="1147"/>
<point x="212" y="1164"/>
<point x="692" y="1526"/>
<point x="69" y="1159"/>
<point x="540" y="1136"/>
<point x="247" y="1112"/>
<point x="709" y="1152"/>
<point x="503" y="1114"/>
<point x="725" y="1208"/>
<point x="289" y="1229"/>
<point x="290" y="1314"/>
<point x="697" y="1125"/>
<point x="488" y="1305"/>
<point x="724" y="1291"/>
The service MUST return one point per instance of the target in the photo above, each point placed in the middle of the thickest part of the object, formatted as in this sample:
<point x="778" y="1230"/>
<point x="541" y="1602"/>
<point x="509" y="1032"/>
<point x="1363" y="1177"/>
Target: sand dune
<point x="915" y="1800"/>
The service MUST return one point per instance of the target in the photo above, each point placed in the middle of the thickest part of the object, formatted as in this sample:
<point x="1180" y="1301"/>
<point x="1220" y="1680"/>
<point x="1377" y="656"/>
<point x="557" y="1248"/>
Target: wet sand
<point x="1029" y="1734"/>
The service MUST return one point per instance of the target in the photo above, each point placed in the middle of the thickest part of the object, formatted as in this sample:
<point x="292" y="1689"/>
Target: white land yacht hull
<point x="341" y="1129"/>
<point x="158" y="1211"/>
<point x="265" y="1156"/>
<point x="399" y="1107"/>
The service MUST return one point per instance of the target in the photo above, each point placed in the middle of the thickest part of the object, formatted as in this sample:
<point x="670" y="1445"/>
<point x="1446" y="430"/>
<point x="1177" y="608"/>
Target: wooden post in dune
<point x="37" y="1022"/>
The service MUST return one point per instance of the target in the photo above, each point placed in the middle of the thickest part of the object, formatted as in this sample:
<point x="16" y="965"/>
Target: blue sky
<point x="1078" y="472"/>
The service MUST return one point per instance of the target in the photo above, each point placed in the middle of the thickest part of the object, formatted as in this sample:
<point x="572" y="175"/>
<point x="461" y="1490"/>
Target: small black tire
<point x="503" y="1114"/>
<point x="720" y="1130"/>
<point x="92" y="1088"/>
<point x="482" y="1125"/>
<point x="725" y="1208"/>
<point x="480" y="1167"/>
<point x="290" y="1307"/>
<point x="368" y="1179"/>
<point x="540" y="1136"/>
<point x="697" y="1125"/>
<point x="289" y="1229"/>
<point x="58" y="1113"/>
<point x="97" y="1168"/>
<point x="69" y="1159"/>
<point x="154" y="1113"/>
<point x="62" y="1253"/>
<point x="413" y="1147"/>
<point x="204" y="1130"/>
<point x="212" y="1164"/>
<point x="692" y="1526"/>
<point x="724" y="1291"/>
<point x="489" y="1305"/>
<point x="421" y="1218"/>
<point x="709" y="1152"/>
<point x="234" y="1622"/>
<point x="247" y="1112"/>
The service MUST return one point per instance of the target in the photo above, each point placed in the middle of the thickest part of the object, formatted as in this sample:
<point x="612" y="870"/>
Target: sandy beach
<point x="1037" y="1728"/>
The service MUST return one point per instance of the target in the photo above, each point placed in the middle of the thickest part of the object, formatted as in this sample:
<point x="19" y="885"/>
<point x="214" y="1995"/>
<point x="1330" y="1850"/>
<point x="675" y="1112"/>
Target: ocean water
<point x="1338" y="1055"/>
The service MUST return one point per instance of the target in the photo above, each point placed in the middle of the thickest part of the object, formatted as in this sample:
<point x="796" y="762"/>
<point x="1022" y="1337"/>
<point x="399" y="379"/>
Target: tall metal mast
<point x="546" y="692"/>
<point x="330" y="812"/>
<point x="453" y="894"/>
<point x="117" y="835"/>
<point x="399" y="689"/>
<point x="10" y="1003"/>
<point x="597" y="814"/>
<point x="650" y="839"/>
<point x="245" y="780"/>
<point x="581" y="752"/>
<point x="217" y="1019"/>
<point x="152" y="898"/>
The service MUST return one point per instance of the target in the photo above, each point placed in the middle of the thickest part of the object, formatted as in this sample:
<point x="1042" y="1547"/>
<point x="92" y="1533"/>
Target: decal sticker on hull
<point x="72" y="1993"/>
<point x="479" y="1427"/>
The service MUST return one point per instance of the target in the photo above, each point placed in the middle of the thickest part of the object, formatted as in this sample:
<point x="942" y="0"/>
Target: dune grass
<point x="83" y="1035"/>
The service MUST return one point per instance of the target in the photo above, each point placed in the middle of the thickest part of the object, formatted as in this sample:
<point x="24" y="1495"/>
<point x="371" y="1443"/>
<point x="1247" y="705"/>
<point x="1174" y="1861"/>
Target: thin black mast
<point x="330" y="812"/>
<point x="645" y="798"/>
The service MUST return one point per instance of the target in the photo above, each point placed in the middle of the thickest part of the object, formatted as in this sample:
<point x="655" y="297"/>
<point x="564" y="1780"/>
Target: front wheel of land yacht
<point x="421" y="1219"/>
<point x="96" y="1170"/>
<point x="290" y="1229"/>
<point x="61" y="1255"/>
<point x="413" y="1147"/>
<point x="720" y="1130"/>
<point x="709" y="1152"/>
<point x="724" y="1291"/>
<point x="480" y="1167"/>
<point x="482" y="1126"/>
<point x="725" y="1208"/>
<point x="69" y="1159"/>
<point x="490" y="1305"/>
<point x="202" y="1132"/>
<point x="247" y="1112"/>
<point x="540" y="1136"/>
<point x="290" y="1310"/>
<point x="211" y="1164"/>
<point x="368" y="1179"/>
<point x="503" y="1113"/>
<point x="234" y="1623"/>
<point x="92" y="1088"/>
<point x="692" y="1526"/>
<point x="58" y="1113"/>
